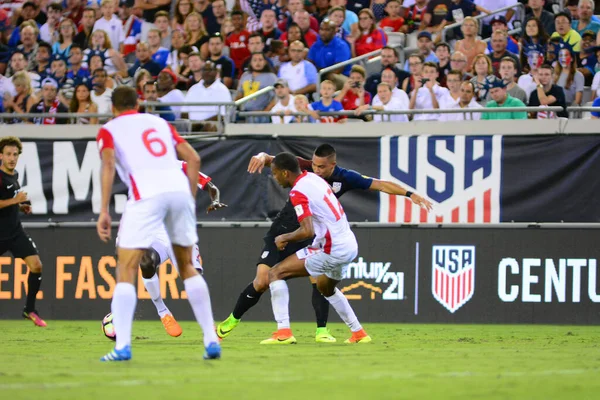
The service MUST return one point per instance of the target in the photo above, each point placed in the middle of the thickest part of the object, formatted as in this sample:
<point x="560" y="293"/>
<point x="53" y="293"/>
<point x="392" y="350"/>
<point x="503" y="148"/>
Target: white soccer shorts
<point x="163" y="247"/>
<point x="173" y="211"/>
<point x="317" y="262"/>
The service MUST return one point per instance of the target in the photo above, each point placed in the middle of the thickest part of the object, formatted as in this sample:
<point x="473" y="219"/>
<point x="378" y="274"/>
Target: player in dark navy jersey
<point x="12" y="236"/>
<point x="341" y="180"/>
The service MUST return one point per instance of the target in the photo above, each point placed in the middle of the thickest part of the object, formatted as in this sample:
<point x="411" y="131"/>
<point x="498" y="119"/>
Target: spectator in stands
<point x="151" y="95"/>
<point x="466" y="100"/>
<point x="82" y="103"/>
<point x="458" y="12"/>
<point x="304" y="21"/>
<point x="48" y="31"/>
<point x="76" y="71"/>
<point x="499" y="24"/>
<point x="493" y="5"/>
<point x="368" y="38"/>
<point x="534" y="36"/>
<point x="458" y="62"/>
<point x="453" y="96"/>
<point x="415" y="64"/>
<point x="224" y="64"/>
<point x="141" y="77"/>
<point x="547" y="93"/>
<point x="401" y="100"/>
<point x="110" y="24"/>
<point x="552" y="50"/>
<point x="353" y="94"/>
<point x="183" y="8"/>
<point x="562" y="24"/>
<point x="570" y="6"/>
<point x="101" y="95"/>
<point x="435" y="15"/>
<point x="30" y="10"/>
<point x="350" y="19"/>
<point x="596" y="103"/>
<point x="269" y="30"/>
<point x="165" y="87"/>
<point x="442" y="52"/>
<point x="58" y="72"/>
<point x="196" y="34"/>
<point x="483" y="72"/>
<point x="470" y="45"/>
<point x="18" y="63"/>
<point x="256" y="44"/>
<point x="161" y="21"/>
<point x="321" y="11"/>
<point x="219" y="10"/>
<point x="95" y="62"/>
<point x="7" y="87"/>
<point x="159" y="54"/>
<point x="585" y="12"/>
<point x="330" y="50"/>
<point x="299" y="74"/>
<point x="427" y="93"/>
<point x="388" y="75"/>
<point x="414" y="15"/>
<point x="67" y="30"/>
<point x="587" y="59"/>
<point x="182" y="69"/>
<point x="326" y="104"/>
<point x="289" y="16"/>
<point x="544" y="17"/>
<point x="42" y="59"/>
<point x="568" y="77"/>
<point x="501" y="98"/>
<point x="150" y="9"/>
<point x="293" y="33"/>
<point x="385" y="101"/>
<point x="301" y="104"/>
<point x="337" y="15"/>
<point x="88" y="19"/>
<point x="425" y="48"/>
<point x="23" y="99"/>
<point x="29" y="45"/>
<point x="394" y="21"/>
<point x="508" y="73"/>
<point x="209" y="90"/>
<point x="259" y="76"/>
<point x="102" y="46"/>
<point x="238" y="41"/>
<point x="49" y="104"/>
<point x="174" y="61"/>
<point x="389" y="59"/>
<point x="282" y="104"/>
<point x="144" y="61"/>
<point x="499" y="51"/>
<point x="196" y="69"/>
<point x="74" y="10"/>
<point x="132" y="27"/>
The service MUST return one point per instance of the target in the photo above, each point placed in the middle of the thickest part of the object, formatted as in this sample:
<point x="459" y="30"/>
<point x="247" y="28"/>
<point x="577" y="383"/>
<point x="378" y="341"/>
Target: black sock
<point x="248" y="299"/>
<point x="321" y="306"/>
<point x="34" y="282"/>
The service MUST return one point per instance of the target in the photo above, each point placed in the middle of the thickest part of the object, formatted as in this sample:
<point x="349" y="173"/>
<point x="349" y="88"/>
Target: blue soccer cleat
<point x="213" y="351"/>
<point x="118" y="355"/>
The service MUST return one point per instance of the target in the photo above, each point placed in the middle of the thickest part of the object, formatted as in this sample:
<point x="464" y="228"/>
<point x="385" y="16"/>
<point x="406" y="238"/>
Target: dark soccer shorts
<point x="271" y="256"/>
<point x="20" y="246"/>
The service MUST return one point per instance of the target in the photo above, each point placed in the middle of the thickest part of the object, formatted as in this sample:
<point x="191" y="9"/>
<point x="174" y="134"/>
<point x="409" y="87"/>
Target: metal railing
<point x="481" y="16"/>
<point x="342" y="64"/>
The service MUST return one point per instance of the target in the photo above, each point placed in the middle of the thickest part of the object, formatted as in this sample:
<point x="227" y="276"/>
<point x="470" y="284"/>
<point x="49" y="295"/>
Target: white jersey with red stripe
<point x="312" y="196"/>
<point x="203" y="179"/>
<point x="146" y="159"/>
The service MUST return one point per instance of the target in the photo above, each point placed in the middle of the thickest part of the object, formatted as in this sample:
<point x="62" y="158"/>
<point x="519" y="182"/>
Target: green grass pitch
<point x="403" y="362"/>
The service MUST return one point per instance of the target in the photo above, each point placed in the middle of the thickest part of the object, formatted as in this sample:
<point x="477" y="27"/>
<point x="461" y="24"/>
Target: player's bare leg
<point x="199" y="298"/>
<point x="321" y="307"/>
<point x="340" y="303"/>
<point x="124" y="301"/>
<point x="34" y="281"/>
<point x="149" y="265"/>
<point x="247" y="299"/>
<point x="291" y="267"/>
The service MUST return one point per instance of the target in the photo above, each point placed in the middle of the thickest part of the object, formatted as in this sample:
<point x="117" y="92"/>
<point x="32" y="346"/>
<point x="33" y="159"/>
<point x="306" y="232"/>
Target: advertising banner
<point x="437" y="275"/>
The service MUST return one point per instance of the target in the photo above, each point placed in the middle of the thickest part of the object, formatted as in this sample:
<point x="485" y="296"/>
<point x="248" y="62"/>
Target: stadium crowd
<point x="69" y="55"/>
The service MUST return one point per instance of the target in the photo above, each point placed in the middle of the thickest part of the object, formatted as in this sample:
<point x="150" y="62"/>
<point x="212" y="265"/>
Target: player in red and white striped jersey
<point x="143" y="149"/>
<point x="321" y="215"/>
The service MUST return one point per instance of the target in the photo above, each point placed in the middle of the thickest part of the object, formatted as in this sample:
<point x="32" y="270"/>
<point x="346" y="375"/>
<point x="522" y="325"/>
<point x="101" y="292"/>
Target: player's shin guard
<point x="321" y="306"/>
<point x="344" y="310"/>
<point x="123" y="307"/>
<point x="280" y="300"/>
<point x="248" y="299"/>
<point x="34" y="281"/>
<point x="199" y="298"/>
<point x="153" y="287"/>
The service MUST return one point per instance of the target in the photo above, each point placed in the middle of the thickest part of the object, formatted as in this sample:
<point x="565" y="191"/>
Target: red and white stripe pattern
<point x="453" y="290"/>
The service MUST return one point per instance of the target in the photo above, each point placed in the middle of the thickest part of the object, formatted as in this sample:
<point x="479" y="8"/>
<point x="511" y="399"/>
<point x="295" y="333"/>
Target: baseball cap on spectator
<point x="498" y="18"/>
<point x="281" y="82"/>
<point x="587" y="33"/>
<point x="51" y="82"/>
<point x="424" y="34"/>
<point x="126" y="3"/>
<point x="172" y="74"/>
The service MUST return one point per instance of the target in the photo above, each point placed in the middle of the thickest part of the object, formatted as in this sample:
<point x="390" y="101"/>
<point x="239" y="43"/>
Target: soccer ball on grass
<point x="108" y="328"/>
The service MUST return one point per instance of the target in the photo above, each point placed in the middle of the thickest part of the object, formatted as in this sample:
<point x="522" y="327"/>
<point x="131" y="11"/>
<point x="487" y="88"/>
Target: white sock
<point x="280" y="300"/>
<point x="344" y="310"/>
<point x="153" y="287"/>
<point x="123" y="307"/>
<point x="199" y="298"/>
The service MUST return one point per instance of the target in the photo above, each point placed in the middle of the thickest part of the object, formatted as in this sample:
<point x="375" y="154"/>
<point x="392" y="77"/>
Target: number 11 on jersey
<point x="337" y="209"/>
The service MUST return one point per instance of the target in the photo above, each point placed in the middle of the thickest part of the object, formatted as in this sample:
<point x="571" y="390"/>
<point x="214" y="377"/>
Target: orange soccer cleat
<point x="171" y="326"/>
<point x="359" y="337"/>
<point x="282" y="336"/>
<point x="35" y="318"/>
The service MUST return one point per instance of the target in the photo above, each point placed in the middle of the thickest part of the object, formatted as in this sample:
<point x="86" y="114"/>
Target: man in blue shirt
<point x="324" y="164"/>
<point x="330" y="50"/>
<point x="151" y="94"/>
<point x="596" y="103"/>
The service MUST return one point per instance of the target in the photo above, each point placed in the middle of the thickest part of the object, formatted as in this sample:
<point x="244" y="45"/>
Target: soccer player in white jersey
<point x="144" y="148"/>
<point x="161" y="250"/>
<point x="321" y="215"/>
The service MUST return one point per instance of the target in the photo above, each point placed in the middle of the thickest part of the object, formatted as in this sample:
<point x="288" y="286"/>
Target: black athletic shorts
<point x="20" y="246"/>
<point x="271" y="256"/>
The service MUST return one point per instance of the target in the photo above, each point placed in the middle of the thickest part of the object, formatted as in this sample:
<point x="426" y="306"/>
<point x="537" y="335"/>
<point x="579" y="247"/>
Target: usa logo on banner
<point x="453" y="275"/>
<point x="460" y="174"/>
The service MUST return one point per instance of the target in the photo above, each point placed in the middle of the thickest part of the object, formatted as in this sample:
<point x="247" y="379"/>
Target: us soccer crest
<point x="336" y="186"/>
<point x="453" y="275"/>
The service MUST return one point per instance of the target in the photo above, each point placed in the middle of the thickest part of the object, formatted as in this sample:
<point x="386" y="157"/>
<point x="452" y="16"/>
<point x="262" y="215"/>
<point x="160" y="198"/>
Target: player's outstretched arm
<point x="261" y="160"/>
<point x="215" y="197"/>
<point x="186" y="153"/>
<point x="107" y="177"/>
<point x="306" y="231"/>
<point x="393" y="188"/>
